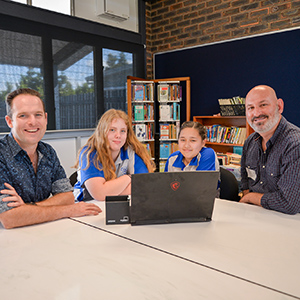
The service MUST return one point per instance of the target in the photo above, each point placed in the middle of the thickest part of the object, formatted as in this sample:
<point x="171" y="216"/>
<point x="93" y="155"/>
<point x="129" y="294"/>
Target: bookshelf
<point x="227" y="121"/>
<point x="155" y="107"/>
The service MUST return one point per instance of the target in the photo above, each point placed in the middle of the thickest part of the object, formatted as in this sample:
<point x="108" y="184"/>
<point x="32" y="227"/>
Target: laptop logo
<point x="175" y="185"/>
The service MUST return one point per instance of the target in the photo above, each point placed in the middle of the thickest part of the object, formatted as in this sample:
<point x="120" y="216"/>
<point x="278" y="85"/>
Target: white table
<point x="247" y="242"/>
<point x="78" y="259"/>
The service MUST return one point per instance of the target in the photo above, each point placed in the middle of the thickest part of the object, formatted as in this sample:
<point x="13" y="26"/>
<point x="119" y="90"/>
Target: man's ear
<point x="8" y="121"/>
<point x="280" y="105"/>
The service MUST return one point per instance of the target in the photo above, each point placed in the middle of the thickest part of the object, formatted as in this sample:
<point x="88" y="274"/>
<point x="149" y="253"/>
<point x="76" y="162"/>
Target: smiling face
<point x="116" y="136"/>
<point x="28" y="121"/>
<point x="263" y="110"/>
<point x="190" y="143"/>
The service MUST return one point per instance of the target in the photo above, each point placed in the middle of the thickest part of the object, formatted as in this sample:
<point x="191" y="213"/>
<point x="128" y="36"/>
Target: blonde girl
<point x="108" y="159"/>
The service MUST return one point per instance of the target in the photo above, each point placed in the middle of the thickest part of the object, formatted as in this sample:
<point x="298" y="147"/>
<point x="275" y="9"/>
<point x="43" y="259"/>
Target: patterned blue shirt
<point x="276" y="171"/>
<point x="17" y="170"/>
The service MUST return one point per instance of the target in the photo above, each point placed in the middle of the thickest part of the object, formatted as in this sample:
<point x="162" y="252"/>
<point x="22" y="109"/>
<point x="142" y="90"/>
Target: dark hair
<point x="196" y="125"/>
<point x="24" y="91"/>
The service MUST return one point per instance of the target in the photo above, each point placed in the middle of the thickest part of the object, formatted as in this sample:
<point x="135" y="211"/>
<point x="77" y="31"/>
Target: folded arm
<point x="99" y="188"/>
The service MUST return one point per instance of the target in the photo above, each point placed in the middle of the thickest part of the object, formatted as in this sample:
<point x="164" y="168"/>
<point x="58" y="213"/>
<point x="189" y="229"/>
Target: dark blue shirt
<point x="276" y="171"/>
<point x="17" y="170"/>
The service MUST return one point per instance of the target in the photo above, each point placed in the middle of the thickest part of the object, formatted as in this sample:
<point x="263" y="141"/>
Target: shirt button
<point x="271" y="174"/>
<point x="264" y="167"/>
<point x="261" y="182"/>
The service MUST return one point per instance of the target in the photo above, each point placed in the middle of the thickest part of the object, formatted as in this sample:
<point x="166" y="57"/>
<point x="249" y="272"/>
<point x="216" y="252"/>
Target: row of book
<point x="222" y="134"/>
<point x="169" y="131"/>
<point x="169" y="92"/>
<point x="169" y="112"/>
<point x="142" y="92"/>
<point x="144" y="131"/>
<point x="166" y="149"/>
<point x="143" y="112"/>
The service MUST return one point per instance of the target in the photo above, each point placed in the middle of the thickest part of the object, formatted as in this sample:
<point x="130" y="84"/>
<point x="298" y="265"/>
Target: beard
<point x="267" y="125"/>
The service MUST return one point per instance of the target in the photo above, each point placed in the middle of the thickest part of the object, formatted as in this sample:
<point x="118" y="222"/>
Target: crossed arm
<point x="253" y="198"/>
<point x="57" y="207"/>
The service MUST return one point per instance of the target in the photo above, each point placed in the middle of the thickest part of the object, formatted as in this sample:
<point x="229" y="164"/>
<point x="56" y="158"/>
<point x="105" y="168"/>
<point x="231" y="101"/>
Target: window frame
<point x="50" y="26"/>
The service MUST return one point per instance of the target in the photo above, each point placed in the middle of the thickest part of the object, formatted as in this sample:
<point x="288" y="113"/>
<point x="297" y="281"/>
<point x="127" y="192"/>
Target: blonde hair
<point x="98" y="142"/>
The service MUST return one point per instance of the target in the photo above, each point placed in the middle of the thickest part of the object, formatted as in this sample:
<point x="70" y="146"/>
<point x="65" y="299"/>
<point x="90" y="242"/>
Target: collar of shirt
<point x="122" y="156"/>
<point x="180" y="164"/>
<point x="17" y="150"/>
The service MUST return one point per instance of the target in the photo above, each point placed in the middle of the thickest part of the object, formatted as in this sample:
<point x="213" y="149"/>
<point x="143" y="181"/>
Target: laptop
<point x="173" y="197"/>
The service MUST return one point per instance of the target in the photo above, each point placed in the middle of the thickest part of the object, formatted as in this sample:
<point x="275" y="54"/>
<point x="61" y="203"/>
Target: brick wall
<point x="174" y="24"/>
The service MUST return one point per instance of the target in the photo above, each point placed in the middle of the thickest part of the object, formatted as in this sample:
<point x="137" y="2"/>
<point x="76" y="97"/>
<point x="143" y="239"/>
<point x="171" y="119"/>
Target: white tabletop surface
<point x="86" y="259"/>
<point x="245" y="241"/>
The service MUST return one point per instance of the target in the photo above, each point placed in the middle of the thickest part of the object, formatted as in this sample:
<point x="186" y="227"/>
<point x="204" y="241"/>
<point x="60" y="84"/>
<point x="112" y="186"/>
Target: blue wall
<point x="232" y="68"/>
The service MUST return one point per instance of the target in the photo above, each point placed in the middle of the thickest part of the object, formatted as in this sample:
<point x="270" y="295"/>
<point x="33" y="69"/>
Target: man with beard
<point x="271" y="155"/>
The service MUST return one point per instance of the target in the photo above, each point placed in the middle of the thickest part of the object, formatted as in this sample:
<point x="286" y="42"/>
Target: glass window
<point x="117" y="66"/>
<point x="20" y="66"/>
<point x="61" y="6"/>
<point x="75" y="101"/>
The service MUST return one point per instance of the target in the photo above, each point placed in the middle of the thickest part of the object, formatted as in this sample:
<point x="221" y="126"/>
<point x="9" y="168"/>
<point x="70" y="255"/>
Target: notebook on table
<point x="173" y="197"/>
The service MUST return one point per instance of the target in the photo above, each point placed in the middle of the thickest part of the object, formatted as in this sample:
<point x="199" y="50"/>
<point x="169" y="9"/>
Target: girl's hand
<point x="14" y="199"/>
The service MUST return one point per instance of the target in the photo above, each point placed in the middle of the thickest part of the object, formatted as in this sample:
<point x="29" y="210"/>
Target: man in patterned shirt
<point x="30" y="169"/>
<point x="271" y="155"/>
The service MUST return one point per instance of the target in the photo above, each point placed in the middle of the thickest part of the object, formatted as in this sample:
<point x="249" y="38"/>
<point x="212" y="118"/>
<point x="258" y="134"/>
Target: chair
<point x="73" y="178"/>
<point x="229" y="187"/>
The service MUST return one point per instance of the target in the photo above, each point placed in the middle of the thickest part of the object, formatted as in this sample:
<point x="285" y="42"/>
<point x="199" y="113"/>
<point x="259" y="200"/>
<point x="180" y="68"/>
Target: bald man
<point x="271" y="155"/>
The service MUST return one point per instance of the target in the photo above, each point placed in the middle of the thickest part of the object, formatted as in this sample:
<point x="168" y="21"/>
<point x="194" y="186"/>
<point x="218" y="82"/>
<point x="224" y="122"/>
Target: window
<point x="117" y="66"/>
<point x="75" y="101"/>
<point x="79" y="67"/>
<point x="20" y="66"/>
<point x="61" y="6"/>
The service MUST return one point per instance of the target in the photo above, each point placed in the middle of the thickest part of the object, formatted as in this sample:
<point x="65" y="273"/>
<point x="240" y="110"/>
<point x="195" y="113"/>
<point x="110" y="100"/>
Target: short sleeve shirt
<point x="206" y="160"/>
<point x="17" y="170"/>
<point x="128" y="162"/>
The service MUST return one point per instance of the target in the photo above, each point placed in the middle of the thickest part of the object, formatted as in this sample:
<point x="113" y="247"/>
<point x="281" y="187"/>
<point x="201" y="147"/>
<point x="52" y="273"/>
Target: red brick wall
<point x="174" y="24"/>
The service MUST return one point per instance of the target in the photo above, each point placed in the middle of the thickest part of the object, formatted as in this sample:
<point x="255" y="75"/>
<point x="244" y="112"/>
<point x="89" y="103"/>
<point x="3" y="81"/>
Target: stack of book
<point x="234" y="106"/>
<point x="142" y="92"/>
<point x="143" y="112"/>
<point x="169" y="131"/>
<point x="169" y="112"/>
<point x="229" y="159"/>
<point x="169" y="92"/>
<point x="144" y="131"/>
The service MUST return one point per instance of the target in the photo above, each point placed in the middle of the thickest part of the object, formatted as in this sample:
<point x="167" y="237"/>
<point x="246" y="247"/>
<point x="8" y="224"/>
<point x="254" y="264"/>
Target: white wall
<point x="67" y="144"/>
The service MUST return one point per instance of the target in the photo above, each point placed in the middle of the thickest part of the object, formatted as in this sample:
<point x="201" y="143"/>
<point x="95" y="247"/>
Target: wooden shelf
<point x="237" y="121"/>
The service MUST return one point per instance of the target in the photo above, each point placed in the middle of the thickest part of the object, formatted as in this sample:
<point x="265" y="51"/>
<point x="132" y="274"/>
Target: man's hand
<point x="14" y="199"/>
<point x="253" y="198"/>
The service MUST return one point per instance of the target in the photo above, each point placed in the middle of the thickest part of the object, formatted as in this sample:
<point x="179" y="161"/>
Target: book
<point x="163" y="93"/>
<point x="164" y="112"/>
<point x="140" y="131"/>
<point x="138" y="92"/>
<point x="162" y="165"/>
<point x="164" y="131"/>
<point x="164" y="150"/>
<point x="139" y="113"/>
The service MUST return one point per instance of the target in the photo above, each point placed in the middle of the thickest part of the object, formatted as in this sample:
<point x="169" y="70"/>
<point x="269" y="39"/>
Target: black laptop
<point x="173" y="197"/>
